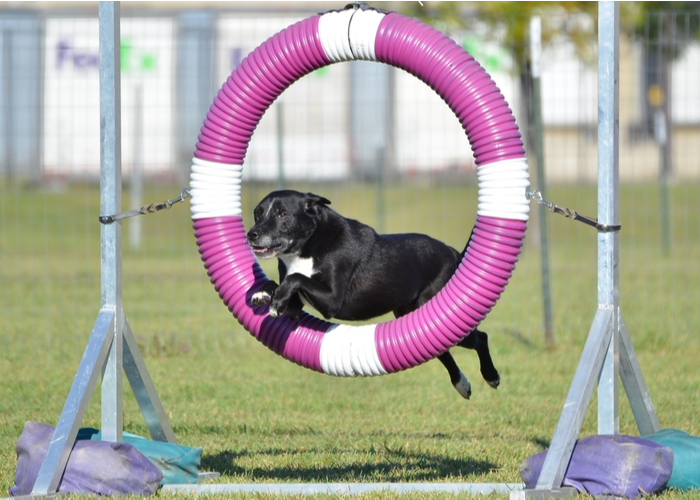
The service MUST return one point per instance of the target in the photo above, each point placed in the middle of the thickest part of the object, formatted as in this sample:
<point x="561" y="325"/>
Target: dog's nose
<point x="252" y="236"/>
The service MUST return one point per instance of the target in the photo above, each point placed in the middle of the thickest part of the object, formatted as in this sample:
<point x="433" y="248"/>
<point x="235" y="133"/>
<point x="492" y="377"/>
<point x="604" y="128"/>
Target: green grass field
<point x="260" y="418"/>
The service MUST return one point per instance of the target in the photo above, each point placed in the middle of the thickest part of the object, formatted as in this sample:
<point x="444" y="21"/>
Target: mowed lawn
<point x="260" y="418"/>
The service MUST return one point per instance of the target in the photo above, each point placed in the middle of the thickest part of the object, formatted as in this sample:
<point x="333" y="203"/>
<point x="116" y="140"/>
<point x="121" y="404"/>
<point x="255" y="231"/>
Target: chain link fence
<point x="375" y="140"/>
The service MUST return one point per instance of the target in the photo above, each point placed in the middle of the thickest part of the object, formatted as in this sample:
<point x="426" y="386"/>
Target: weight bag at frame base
<point x="94" y="467"/>
<point x="686" y="457"/>
<point x="179" y="464"/>
<point x="620" y="466"/>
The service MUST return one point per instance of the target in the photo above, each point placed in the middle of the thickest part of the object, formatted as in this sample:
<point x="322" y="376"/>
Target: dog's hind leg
<point x="459" y="381"/>
<point x="479" y="341"/>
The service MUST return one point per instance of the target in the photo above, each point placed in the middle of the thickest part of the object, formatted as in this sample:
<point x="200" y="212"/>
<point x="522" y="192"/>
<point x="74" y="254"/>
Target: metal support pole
<point x="110" y="203"/>
<point x="280" y="144"/>
<point x="535" y="57"/>
<point x="608" y="353"/>
<point x="105" y="352"/>
<point x="609" y="207"/>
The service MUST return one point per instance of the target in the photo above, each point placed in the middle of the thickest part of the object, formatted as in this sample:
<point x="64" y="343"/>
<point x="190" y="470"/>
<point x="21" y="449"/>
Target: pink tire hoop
<point x="358" y="33"/>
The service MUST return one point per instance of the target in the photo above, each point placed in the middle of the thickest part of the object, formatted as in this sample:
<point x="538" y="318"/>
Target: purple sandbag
<point x="94" y="467"/>
<point x="623" y="466"/>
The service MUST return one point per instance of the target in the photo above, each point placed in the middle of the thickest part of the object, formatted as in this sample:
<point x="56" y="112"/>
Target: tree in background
<point x="658" y="24"/>
<point x="666" y="27"/>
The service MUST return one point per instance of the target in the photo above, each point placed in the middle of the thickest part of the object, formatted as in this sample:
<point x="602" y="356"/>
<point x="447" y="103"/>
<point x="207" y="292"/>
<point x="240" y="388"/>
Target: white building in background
<point x="307" y="125"/>
<point x="314" y="133"/>
<point x="341" y="121"/>
<point x="71" y="120"/>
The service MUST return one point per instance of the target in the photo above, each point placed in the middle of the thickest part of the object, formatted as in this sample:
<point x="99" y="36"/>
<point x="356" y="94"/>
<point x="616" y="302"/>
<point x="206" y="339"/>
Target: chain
<point x="148" y="209"/>
<point x="534" y="195"/>
<point x="571" y="214"/>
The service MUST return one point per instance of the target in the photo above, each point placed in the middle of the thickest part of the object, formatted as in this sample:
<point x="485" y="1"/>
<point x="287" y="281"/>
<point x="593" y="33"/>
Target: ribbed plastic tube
<point x="503" y="178"/>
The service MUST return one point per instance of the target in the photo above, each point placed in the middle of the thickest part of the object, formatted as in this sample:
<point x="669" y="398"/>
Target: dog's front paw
<point x="279" y="307"/>
<point x="491" y="376"/>
<point x="260" y="298"/>
<point x="264" y="295"/>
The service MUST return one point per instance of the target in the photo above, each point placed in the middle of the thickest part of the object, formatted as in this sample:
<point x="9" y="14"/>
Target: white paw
<point x="260" y="298"/>
<point x="273" y="312"/>
<point x="464" y="387"/>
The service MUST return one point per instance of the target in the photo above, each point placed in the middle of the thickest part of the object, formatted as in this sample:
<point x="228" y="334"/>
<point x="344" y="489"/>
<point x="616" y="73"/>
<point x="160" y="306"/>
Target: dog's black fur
<point x="345" y="270"/>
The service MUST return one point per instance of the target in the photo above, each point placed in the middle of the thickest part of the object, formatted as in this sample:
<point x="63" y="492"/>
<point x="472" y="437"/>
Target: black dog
<point x="345" y="270"/>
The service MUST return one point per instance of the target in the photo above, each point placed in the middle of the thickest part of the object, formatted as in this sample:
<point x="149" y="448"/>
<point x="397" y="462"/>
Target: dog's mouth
<point x="264" y="252"/>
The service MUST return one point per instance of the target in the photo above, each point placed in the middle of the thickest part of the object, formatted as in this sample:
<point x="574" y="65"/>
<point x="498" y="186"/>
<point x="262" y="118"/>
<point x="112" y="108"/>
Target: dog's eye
<point x="282" y="214"/>
<point x="257" y="213"/>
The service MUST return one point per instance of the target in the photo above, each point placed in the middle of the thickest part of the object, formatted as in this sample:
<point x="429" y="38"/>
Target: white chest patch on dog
<point x="298" y="265"/>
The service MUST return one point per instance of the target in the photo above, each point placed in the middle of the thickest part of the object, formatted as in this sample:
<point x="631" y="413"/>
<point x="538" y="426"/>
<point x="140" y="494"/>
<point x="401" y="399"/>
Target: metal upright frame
<point x="111" y="347"/>
<point x="608" y="352"/>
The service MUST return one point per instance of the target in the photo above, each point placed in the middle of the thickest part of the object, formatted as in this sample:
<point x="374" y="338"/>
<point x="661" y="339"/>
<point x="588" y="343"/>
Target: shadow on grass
<point x="521" y="339"/>
<point x="308" y="430"/>
<point x="376" y="465"/>
<point x="540" y="441"/>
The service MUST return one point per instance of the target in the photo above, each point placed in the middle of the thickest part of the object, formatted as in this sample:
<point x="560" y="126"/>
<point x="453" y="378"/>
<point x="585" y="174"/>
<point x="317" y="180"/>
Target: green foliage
<point x="577" y="21"/>
<point x="673" y="25"/>
<point x="509" y="22"/>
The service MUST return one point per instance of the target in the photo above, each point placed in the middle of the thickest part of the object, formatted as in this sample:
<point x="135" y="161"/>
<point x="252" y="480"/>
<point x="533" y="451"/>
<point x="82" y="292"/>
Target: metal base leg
<point x="74" y="408"/>
<point x="95" y="359"/>
<point x="564" y="492"/>
<point x="635" y="386"/>
<point x="577" y="401"/>
<point x="549" y="484"/>
<point x="145" y="391"/>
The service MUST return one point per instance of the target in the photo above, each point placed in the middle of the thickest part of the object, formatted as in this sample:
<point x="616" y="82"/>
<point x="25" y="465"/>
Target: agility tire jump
<point x="503" y="179"/>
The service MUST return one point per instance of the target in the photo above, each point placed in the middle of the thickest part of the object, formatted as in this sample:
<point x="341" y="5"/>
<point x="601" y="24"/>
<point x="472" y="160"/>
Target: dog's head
<point x="284" y="221"/>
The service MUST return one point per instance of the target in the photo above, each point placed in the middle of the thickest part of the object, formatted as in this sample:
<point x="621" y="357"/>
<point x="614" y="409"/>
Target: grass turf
<point x="262" y="419"/>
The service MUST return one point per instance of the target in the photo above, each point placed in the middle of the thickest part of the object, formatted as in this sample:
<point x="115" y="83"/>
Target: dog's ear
<point x="314" y="202"/>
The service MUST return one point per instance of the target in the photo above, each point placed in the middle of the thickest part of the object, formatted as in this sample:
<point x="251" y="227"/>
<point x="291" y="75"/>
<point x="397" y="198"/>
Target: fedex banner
<point x="71" y="118"/>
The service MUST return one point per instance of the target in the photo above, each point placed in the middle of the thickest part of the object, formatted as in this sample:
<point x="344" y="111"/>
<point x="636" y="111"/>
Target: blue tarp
<point x="179" y="464"/>
<point x="686" y="457"/>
